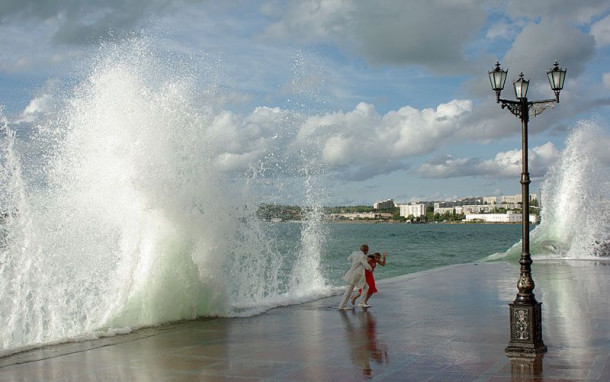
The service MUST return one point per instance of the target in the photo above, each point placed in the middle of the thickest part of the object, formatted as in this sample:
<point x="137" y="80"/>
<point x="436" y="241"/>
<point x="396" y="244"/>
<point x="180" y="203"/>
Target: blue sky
<point x="386" y="99"/>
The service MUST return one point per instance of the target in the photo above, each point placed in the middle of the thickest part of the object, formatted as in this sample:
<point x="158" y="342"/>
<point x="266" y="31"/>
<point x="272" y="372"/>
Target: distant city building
<point x="508" y="217"/>
<point x="516" y="199"/>
<point x="384" y="204"/>
<point x="476" y="200"/>
<point x="361" y="215"/>
<point x="446" y="204"/>
<point x="511" y="199"/>
<point x="444" y="210"/>
<point x="416" y="210"/>
<point x="490" y="200"/>
<point x="353" y="215"/>
<point x="478" y="208"/>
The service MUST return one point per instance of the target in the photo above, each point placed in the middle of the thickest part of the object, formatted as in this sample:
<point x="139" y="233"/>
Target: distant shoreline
<point x="395" y="222"/>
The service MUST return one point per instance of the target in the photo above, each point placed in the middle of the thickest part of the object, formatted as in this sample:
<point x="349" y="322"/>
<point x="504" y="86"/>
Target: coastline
<point x="398" y="222"/>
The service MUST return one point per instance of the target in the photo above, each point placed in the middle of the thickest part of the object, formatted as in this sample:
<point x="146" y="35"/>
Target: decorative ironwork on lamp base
<point x="525" y="331"/>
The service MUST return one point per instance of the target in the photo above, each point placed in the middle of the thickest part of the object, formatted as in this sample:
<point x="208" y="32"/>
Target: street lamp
<point x="525" y="311"/>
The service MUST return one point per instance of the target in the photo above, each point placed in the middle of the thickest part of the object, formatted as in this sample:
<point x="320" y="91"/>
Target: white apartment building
<point x="414" y="209"/>
<point x="508" y="217"/>
<point x="384" y="204"/>
<point x="478" y="208"/>
<point x="443" y="210"/>
<point x="354" y="215"/>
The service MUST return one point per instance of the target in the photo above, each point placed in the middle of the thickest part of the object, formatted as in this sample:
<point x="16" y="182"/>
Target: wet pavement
<point x="449" y="324"/>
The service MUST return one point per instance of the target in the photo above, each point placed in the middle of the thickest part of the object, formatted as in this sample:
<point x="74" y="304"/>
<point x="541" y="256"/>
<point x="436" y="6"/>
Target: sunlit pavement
<point x="449" y="324"/>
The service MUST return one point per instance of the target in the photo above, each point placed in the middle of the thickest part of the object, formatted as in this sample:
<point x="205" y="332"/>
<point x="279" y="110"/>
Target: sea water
<point x="118" y="212"/>
<point x="410" y="247"/>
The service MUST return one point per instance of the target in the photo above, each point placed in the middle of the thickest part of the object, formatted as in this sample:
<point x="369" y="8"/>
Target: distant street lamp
<point x="525" y="311"/>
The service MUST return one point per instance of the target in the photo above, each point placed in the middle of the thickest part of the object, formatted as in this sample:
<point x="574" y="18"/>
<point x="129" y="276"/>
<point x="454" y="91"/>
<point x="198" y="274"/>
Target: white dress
<point x="355" y="274"/>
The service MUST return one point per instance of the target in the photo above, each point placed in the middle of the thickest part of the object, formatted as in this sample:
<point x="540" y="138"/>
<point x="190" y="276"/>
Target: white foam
<point x="121" y="217"/>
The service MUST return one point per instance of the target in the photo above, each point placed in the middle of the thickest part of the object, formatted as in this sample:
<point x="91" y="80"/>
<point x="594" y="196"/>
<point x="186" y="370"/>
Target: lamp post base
<point x="524" y="368"/>
<point x="525" y="331"/>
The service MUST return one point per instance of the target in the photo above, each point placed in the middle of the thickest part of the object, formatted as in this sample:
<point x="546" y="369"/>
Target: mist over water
<point x="121" y="214"/>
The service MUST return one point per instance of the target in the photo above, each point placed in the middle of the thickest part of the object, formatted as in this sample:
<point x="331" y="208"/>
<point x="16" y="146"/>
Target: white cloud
<point x="601" y="31"/>
<point x="356" y="145"/>
<point x="505" y="164"/>
<point x="312" y="21"/>
<point x="376" y="143"/>
<point x="44" y="102"/>
<point x="36" y="106"/>
<point x="540" y="44"/>
<point x="242" y="142"/>
<point x="501" y="29"/>
<point x="432" y="33"/>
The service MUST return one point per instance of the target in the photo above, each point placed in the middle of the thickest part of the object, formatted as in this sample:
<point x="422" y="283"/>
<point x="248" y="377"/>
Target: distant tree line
<point x="279" y="211"/>
<point x="285" y="212"/>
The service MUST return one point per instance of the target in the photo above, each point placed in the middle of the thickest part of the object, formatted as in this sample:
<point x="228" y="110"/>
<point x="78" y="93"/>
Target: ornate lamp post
<point x="525" y="311"/>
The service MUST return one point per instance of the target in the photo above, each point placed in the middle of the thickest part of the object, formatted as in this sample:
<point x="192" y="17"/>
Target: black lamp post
<point x="525" y="311"/>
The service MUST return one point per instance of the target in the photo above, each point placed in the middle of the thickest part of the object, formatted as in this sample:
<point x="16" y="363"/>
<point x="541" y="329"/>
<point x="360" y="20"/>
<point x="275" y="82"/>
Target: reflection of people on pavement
<point x="377" y="352"/>
<point x="363" y="342"/>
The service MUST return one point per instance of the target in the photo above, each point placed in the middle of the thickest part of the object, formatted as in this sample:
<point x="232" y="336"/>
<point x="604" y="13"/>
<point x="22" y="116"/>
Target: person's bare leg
<point x="368" y="295"/>
<point x="354" y="297"/>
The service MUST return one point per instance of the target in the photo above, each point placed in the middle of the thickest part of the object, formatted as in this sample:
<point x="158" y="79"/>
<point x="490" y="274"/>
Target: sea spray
<point x="129" y="218"/>
<point x="575" y="218"/>
<point x="17" y="264"/>
<point x="575" y="208"/>
<point x="307" y="274"/>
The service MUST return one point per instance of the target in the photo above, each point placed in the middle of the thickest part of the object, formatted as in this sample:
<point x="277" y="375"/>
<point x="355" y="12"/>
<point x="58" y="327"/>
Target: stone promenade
<point x="449" y="324"/>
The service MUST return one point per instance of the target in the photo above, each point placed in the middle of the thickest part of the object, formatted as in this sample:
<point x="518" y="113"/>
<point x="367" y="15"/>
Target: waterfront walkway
<point x="448" y="324"/>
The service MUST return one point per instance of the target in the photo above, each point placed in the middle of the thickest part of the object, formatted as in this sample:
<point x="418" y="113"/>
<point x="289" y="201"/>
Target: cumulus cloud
<point x="436" y="34"/>
<point x="540" y="44"/>
<point x="432" y="33"/>
<point x="243" y="143"/>
<point x="505" y="164"/>
<point x="362" y="143"/>
<point x="374" y="144"/>
<point x="354" y="145"/>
